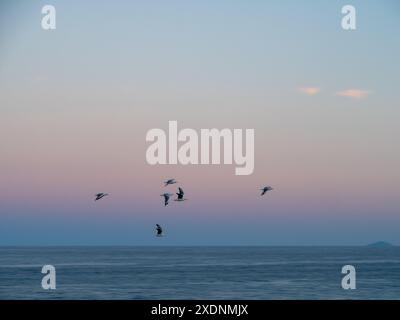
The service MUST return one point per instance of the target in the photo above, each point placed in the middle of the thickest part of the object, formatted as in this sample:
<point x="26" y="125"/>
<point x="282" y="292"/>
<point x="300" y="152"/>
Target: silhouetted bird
<point x="166" y="198"/>
<point x="265" y="189"/>
<point x="100" y="195"/>
<point x="180" y="195"/>
<point x="159" y="230"/>
<point x="170" y="181"/>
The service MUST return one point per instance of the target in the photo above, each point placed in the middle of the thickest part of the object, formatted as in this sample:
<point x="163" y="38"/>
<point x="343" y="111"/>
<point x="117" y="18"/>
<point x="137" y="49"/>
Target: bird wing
<point x="181" y="191"/>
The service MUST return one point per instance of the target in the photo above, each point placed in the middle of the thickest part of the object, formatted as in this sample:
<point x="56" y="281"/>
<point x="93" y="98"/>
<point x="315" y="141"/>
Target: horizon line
<point x="199" y="245"/>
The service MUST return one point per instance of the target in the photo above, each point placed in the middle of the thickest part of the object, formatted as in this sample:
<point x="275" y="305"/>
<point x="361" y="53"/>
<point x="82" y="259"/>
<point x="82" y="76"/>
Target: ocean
<point x="199" y="272"/>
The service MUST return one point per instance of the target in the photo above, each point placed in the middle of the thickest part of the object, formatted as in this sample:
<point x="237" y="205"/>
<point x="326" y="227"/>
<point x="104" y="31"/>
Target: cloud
<point x="310" y="91"/>
<point x="353" y="93"/>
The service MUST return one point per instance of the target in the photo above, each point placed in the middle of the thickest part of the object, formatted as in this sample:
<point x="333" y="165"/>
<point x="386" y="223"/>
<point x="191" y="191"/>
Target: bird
<point x="170" y="181"/>
<point x="159" y="230"/>
<point x="180" y="195"/>
<point x="166" y="198"/>
<point x="265" y="189"/>
<point x="100" y="195"/>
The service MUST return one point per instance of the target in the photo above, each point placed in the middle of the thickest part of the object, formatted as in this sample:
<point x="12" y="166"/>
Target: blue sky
<point x="76" y="103"/>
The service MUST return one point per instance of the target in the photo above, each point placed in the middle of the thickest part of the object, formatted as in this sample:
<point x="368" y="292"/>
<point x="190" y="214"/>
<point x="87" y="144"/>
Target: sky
<point x="76" y="104"/>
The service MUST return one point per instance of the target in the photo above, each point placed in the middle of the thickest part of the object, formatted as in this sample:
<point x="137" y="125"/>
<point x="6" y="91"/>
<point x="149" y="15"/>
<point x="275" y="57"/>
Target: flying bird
<point x="266" y="189"/>
<point x="166" y="198"/>
<point x="100" y="195"/>
<point x="180" y="195"/>
<point x="159" y="230"/>
<point x="170" y="181"/>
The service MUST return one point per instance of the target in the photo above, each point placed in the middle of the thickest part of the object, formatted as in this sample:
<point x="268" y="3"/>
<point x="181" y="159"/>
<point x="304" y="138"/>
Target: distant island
<point x="380" y="244"/>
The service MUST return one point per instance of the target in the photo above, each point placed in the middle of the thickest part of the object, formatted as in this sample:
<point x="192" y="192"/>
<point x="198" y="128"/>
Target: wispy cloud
<point x="310" y="91"/>
<point x="353" y="93"/>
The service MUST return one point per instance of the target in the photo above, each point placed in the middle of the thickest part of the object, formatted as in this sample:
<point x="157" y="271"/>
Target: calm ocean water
<point x="199" y="272"/>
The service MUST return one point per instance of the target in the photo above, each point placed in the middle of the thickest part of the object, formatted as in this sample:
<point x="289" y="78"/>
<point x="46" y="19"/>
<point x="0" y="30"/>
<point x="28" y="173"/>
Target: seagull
<point x="265" y="189"/>
<point x="166" y="198"/>
<point x="100" y="195"/>
<point x="159" y="230"/>
<point x="180" y="195"/>
<point x="170" y="181"/>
